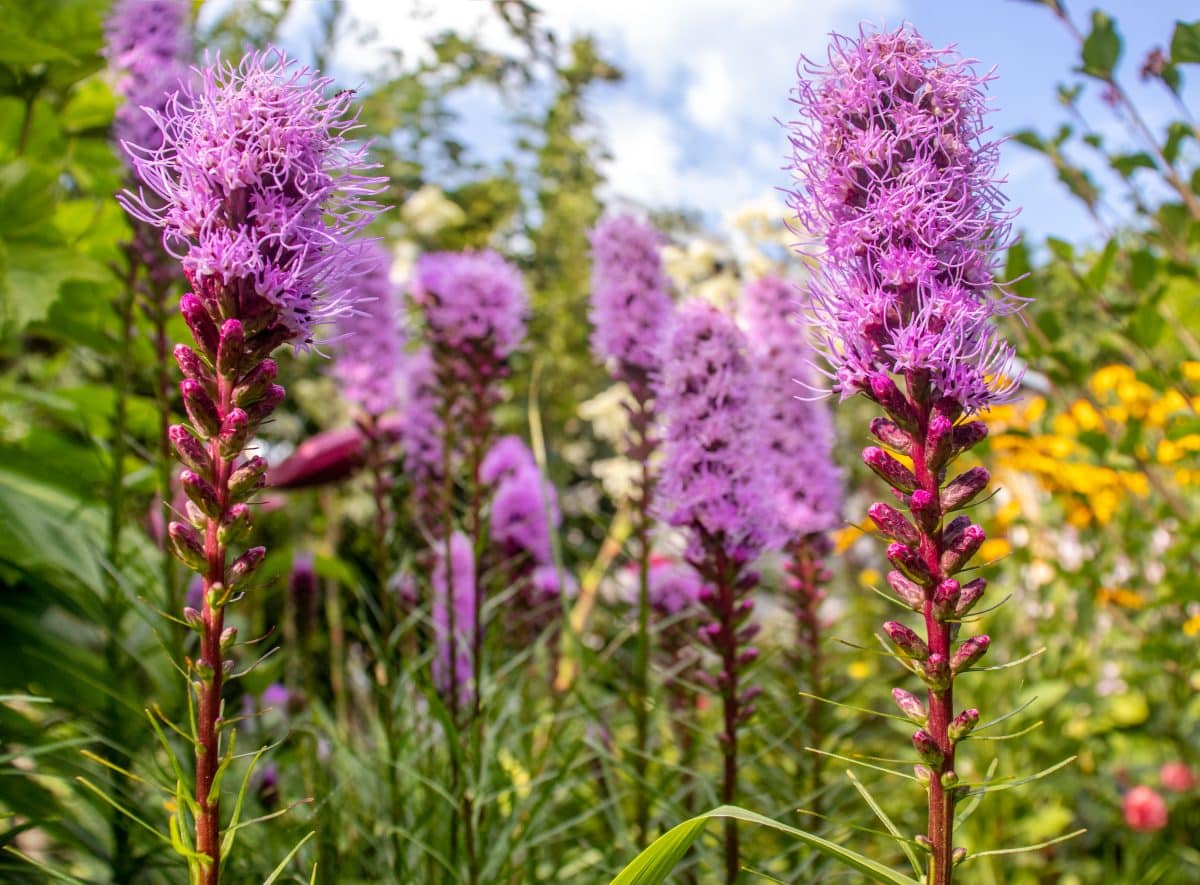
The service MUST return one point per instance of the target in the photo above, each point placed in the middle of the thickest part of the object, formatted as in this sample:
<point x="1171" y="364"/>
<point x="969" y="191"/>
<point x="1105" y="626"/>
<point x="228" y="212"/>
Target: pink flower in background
<point x="1177" y="777"/>
<point x="1144" y="810"/>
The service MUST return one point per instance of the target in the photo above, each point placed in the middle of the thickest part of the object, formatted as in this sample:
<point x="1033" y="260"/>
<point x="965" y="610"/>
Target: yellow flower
<point x="844" y="538"/>
<point x="1109" y="377"/>
<point x="994" y="548"/>
<point x="1121" y="597"/>
<point x="1191" y="371"/>
<point x="1085" y="415"/>
<point x="859" y="670"/>
<point x="1191" y="627"/>
<point x="869" y="577"/>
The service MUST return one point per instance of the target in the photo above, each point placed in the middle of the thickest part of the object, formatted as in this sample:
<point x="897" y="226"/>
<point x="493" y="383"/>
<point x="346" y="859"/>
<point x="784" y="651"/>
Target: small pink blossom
<point x="1144" y="810"/>
<point x="1177" y="777"/>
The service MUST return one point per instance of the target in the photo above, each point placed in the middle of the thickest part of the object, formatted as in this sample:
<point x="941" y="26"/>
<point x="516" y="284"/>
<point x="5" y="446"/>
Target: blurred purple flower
<point x="275" y="697"/>
<point x="631" y="300"/>
<point x="798" y="435"/>
<point x="895" y="176"/>
<point x="458" y="677"/>
<point x="253" y="186"/>
<point x="472" y="299"/>
<point x="674" y="586"/>
<point x="508" y="456"/>
<point x="370" y="348"/>
<point x="149" y="47"/>
<point x="423" y="435"/>
<point x="712" y="484"/>
<point x="524" y="505"/>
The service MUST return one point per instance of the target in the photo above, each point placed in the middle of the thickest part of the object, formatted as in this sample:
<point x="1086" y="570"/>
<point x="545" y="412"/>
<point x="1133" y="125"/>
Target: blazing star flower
<point x="524" y="507"/>
<point x="674" y="586"/>
<point x="631" y="300"/>
<point x="252" y="186"/>
<point x="462" y="596"/>
<point x="712" y="484"/>
<point x="149" y="47"/>
<point x="508" y="456"/>
<point x="472" y="300"/>
<point x="370" y="348"/>
<point x="896" y="177"/>
<point x="422" y="436"/>
<point x="798" y="435"/>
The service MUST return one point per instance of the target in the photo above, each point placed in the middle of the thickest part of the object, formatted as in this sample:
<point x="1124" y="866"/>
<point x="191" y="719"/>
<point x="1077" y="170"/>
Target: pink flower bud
<point x="204" y="330"/>
<point x="1144" y="810"/>
<point x="200" y="408"/>
<point x="889" y="469"/>
<point x="910" y="563"/>
<point x="201" y="493"/>
<point x="885" y="392"/>
<point x="892" y="524"/>
<point x="910" y="644"/>
<point x="910" y="705"/>
<point x="258" y="410"/>
<point x="968" y="653"/>
<point x="971" y="592"/>
<point x="924" y="507"/>
<point x="247" y="479"/>
<point x="961" y="490"/>
<point x="927" y="747"/>
<point x="962" y="724"/>
<point x="965" y="546"/>
<point x="255" y="384"/>
<point x="1177" y="777"/>
<point x="968" y="435"/>
<point x="187" y="544"/>
<point x="890" y="434"/>
<point x="938" y="442"/>
<point x="190" y="452"/>
<point x="246" y="565"/>
<point x="909" y="592"/>
<point x="230" y="348"/>
<point x="945" y="598"/>
<point x="193" y="367"/>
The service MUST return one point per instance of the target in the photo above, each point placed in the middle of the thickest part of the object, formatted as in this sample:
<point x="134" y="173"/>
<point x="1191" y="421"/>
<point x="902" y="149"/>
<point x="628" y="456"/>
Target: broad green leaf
<point x="1185" y="43"/>
<point x="656" y="862"/>
<point x="1102" y="48"/>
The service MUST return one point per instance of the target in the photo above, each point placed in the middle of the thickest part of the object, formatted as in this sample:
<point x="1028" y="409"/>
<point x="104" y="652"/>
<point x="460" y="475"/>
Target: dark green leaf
<point x="1185" y="43"/>
<point x="1102" y="48"/>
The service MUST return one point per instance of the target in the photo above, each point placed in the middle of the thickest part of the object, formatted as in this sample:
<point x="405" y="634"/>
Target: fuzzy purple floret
<point x="472" y="299"/>
<point x="422" y="435"/>
<point x="370" y="348"/>
<point x="462" y="593"/>
<point x="149" y="47"/>
<point x="524" y="505"/>
<point x="711" y="483"/>
<point x="631" y="300"/>
<point x="674" y="587"/>
<point x="896" y="176"/>
<point x="507" y="456"/>
<point x="253" y="186"/>
<point x="797" y="430"/>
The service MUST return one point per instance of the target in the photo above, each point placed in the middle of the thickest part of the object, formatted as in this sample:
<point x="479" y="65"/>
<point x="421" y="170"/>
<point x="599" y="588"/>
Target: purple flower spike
<point x="711" y="483"/>
<point x="507" y="457"/>
<point x="268" y="209"/>
<point x="896" y="177"/>
<point x="472" y="300"/>
<point x="797" y="431"/>
<point x="423" y="434"/>
<point x="370" y="348"/>
<point x="454" y="627"/>
<point x="631" y="299"/>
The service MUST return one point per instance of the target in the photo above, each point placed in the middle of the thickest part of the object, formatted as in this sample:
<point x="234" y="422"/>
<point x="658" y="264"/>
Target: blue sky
<point x="694" y="122"/>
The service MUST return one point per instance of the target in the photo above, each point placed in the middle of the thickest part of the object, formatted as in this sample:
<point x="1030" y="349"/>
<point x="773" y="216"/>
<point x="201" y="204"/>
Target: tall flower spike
<point x="713" y="488"/>
<point x="370" y="348"/>
<point x="422" y="437"/>
<point x="472" y="301"/>
<point x="454" y="620"/>
<point x="631" y="300"/>
<point x="899" y="182"/>
<point x="251" y="184"/>
<point x="896" y="177"/>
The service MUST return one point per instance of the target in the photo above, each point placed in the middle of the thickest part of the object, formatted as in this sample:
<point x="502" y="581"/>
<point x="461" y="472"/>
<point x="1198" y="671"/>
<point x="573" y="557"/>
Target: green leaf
<point x="1147" y="325"/>
<point x="1185" y="43"/>
<point x="1061" y="249"/>
<point x="656" y="862"/>
<point x="1102" y="48"/>
<point x="278" y="871"/>
<point x="1126" y="164"/>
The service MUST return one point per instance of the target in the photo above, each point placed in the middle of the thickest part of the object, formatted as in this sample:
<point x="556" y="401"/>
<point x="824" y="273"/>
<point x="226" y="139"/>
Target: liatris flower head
<point x="254" y="189"/>
<point x="674" y="586"/>
<point x="149" y="46"/>
<point x="452" y="664"/>
<point x="473" y="300"/>
<point x="798" y="436"/>
<point x="370" y="348"/>
<point x="896" y="176"/>
<point x="524" y="507"/>
<point x="422" y="436"/>
<point x="631" y="299"/>
<point x="712" y="484"/>
<point x="507" y="457"/>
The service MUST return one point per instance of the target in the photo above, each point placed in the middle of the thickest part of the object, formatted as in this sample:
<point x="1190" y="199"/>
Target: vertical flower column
<point x="630" y="307"/>
<point x="798" y="441"/>
<point x="475" y="306"/>
<point x="713" y="488"/>
<point x="252" y="186"/>
<point x="367" y="365"/>
<point x="897" y="179"/>
<point x="148" y="46"/>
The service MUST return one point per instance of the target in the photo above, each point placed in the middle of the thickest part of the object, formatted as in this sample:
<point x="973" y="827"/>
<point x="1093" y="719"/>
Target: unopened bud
<point x="235" y="526"/>
<point x="961" y="490"/>
<point x="969" y="435"/>
<point x="200" y="408"/>
<point x="939" y="442"/>
<point x="924" y="842"/>
<point x="193" y="366"/>
<point x="230" y="348"/>
<point x="235" y="432"/>
<point x="890" y="434"/>
<point x="924" y="776"/>
<point x="201" y="493"/>
<point x="258" y="410"/>
<point x="957" y="856"/>
<point x="949" y="780"/>
<point x="885" y="392"/>
<point x="187" y="545"/>
<point x="959" y="554"/>
<point x="246" y="565"/>
<point x="910" y="644"/>
<point x="927" y="747"/>
<point x="190" y="451"/>
<point x="945" y="598"/>
<point x="889" y="469"/>
<point x="910" y="563"/>
<point x="228" y="637"/>
<point x="892" y="524"/>
<point x="971" y="592"/>
<point x="924" y="508"/>
<point x="261" y="344"/>
<point x="962" y="724"/>
<point x="910" y="593"/>
<point x="247" y="479"/>
<point x="968" y="653"/>
<point x="910" y="705"/>
<point x="255" y="384"/>
<point x="204" y="330"/>
<point x="935" y="672"/>
<point x="194" y="619"/>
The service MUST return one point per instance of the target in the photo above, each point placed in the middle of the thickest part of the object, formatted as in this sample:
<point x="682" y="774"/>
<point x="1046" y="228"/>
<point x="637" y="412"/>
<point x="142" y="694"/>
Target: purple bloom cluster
<point x="472" y="300"/>
<point x="797" y="430"/>
<point x="712" y="482"/>
<point x="524" y="505"/>
<point x="631" y="300"/>
<point x="461" y="595"/>
<point x="253" y="188"/>
<point x="370" y="349"/>
<point x="149" y="47"/>
<point x="897" y="178"/>
<point x="422" y="435"/>
<point x="674" y="586"/>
